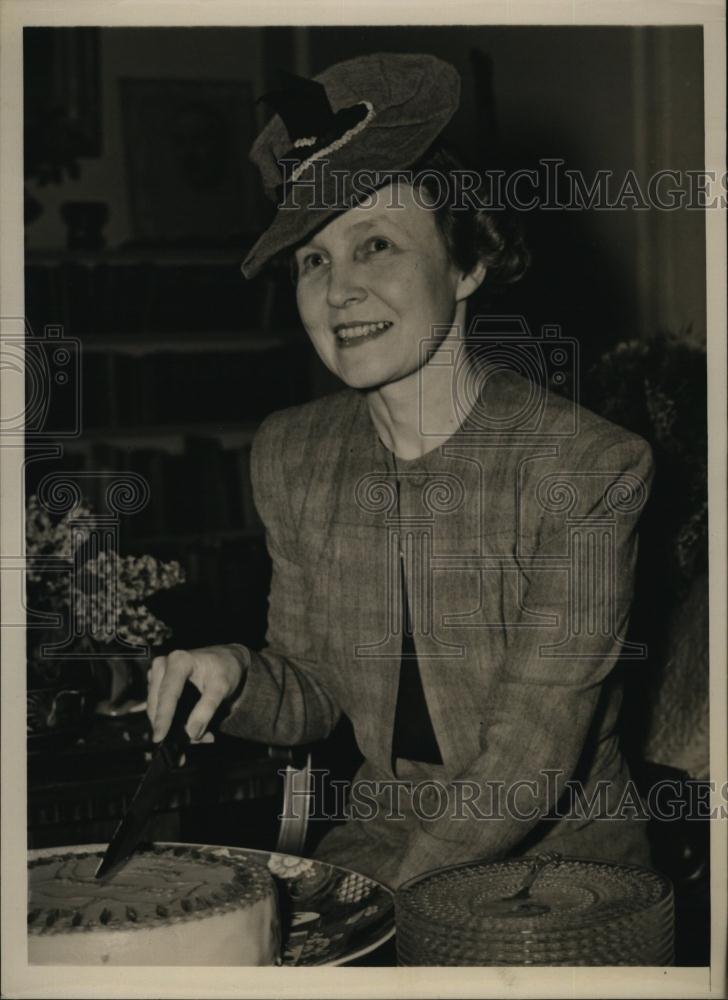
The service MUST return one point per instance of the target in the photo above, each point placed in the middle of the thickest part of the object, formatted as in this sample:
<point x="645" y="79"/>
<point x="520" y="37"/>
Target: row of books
<point x="132" y="297"/>
<point x="200" y="387"/>
<point x="205" y="491"/>
<point x="225" y="595"/>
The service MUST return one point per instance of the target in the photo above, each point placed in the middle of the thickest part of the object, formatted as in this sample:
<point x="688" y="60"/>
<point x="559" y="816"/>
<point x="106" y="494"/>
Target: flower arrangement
<point x="101" y="595"/>
<point x="658" y="389"/>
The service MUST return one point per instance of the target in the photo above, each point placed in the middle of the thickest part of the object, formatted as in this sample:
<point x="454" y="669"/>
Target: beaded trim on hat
<point x="332" y="147"/>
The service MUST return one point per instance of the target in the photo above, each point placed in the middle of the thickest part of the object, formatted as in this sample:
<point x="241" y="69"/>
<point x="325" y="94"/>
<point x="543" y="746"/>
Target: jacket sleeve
<point x="544" y="699"/>
<point x="282" y="700"/>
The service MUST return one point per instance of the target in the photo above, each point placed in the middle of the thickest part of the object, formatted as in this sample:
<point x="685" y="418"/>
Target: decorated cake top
<point x="157" y="886"/>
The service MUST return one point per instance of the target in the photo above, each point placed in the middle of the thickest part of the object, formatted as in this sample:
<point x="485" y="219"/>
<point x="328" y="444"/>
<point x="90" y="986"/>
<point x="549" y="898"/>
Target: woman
<point x="453" y="544"/>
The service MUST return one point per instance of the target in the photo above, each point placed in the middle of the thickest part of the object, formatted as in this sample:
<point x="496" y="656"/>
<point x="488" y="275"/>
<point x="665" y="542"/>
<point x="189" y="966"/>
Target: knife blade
<point x="130" y="830"/>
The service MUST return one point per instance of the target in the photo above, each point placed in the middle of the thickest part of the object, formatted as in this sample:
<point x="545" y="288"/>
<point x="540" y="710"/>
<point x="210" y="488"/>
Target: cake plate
<point x="329" y="915"/>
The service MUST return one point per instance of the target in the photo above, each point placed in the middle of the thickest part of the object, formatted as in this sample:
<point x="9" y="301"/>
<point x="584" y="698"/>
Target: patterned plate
<point x="330" y="915"/>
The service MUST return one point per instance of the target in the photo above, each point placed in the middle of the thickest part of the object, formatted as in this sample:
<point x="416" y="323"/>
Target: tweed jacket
<point x="519" y="541"/>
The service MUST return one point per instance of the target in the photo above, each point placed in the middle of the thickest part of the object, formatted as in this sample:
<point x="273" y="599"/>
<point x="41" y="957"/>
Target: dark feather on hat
<point x="303" y="106"/>
<point x="306" y="112"/>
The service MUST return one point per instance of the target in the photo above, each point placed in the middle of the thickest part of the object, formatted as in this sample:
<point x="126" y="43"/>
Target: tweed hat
<point x="340" y="135"/>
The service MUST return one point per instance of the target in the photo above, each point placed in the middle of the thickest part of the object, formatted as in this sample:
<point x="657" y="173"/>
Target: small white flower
<point x="287" y="866"/>
<point x="105" y="592"/>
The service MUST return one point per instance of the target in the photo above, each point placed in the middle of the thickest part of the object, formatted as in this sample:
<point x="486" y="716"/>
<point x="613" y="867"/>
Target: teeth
<point x="363" y="330"/>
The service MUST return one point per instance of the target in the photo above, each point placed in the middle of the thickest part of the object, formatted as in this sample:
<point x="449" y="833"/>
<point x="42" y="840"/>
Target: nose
<point x="343" y="288"/>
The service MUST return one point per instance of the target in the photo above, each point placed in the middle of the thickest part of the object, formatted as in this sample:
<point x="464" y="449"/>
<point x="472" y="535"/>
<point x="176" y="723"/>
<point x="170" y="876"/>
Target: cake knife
<point x="129" y="832"/>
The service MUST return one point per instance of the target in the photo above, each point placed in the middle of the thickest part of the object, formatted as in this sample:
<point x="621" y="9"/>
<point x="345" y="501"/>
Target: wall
<point x="600" y="98"/>
<point x="152" y="53"/>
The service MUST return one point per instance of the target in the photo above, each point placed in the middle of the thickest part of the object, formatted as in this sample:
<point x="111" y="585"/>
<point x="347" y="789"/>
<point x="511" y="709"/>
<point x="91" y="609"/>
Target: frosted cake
<point x="166" y="906"/>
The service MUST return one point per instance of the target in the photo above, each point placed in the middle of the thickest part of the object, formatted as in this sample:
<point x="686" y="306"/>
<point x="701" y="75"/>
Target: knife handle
<point x="177" y="739"/>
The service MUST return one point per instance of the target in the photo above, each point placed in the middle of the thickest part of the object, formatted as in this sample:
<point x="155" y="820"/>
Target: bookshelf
<point x="180" y="360"/>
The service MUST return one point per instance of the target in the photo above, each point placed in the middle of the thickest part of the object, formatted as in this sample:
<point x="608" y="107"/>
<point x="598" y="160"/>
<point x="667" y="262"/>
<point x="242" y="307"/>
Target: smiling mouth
<point x="353" y="333"/>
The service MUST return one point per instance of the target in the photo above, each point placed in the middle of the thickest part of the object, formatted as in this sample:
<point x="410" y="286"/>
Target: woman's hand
<point x="214" y="670"/>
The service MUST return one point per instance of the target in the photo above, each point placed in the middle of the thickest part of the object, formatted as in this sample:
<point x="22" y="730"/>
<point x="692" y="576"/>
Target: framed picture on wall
<point x="187" y="146"/>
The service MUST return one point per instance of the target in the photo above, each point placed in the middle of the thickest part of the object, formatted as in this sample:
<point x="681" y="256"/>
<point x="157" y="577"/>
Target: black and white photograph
<point x="363" y="452"/>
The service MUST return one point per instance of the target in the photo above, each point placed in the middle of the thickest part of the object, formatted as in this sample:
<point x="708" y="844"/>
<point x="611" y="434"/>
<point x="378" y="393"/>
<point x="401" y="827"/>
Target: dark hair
<point x="471" y="232"/>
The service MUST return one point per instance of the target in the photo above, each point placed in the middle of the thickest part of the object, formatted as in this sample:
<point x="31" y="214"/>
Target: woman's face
<point x="373" y="284"/>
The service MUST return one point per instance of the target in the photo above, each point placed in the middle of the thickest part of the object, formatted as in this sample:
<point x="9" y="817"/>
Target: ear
<point x="468" y="283"/>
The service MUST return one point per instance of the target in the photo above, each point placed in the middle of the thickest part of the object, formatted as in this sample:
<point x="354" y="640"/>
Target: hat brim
<point x="321" y="193"/>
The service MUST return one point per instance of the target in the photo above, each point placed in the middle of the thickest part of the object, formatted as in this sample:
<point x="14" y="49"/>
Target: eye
<point x="311" y="262"/>
<point x="377" y="244"/>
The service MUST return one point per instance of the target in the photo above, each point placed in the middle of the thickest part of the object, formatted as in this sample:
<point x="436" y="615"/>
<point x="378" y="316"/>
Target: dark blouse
<point x="413" y="737"/>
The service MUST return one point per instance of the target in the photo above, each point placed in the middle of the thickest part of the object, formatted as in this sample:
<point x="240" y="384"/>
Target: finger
<point x="206" y="738"/>
<point x="210" y="700"/>
<point x="178" y="669"/>
<point x="154" y="679"/>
